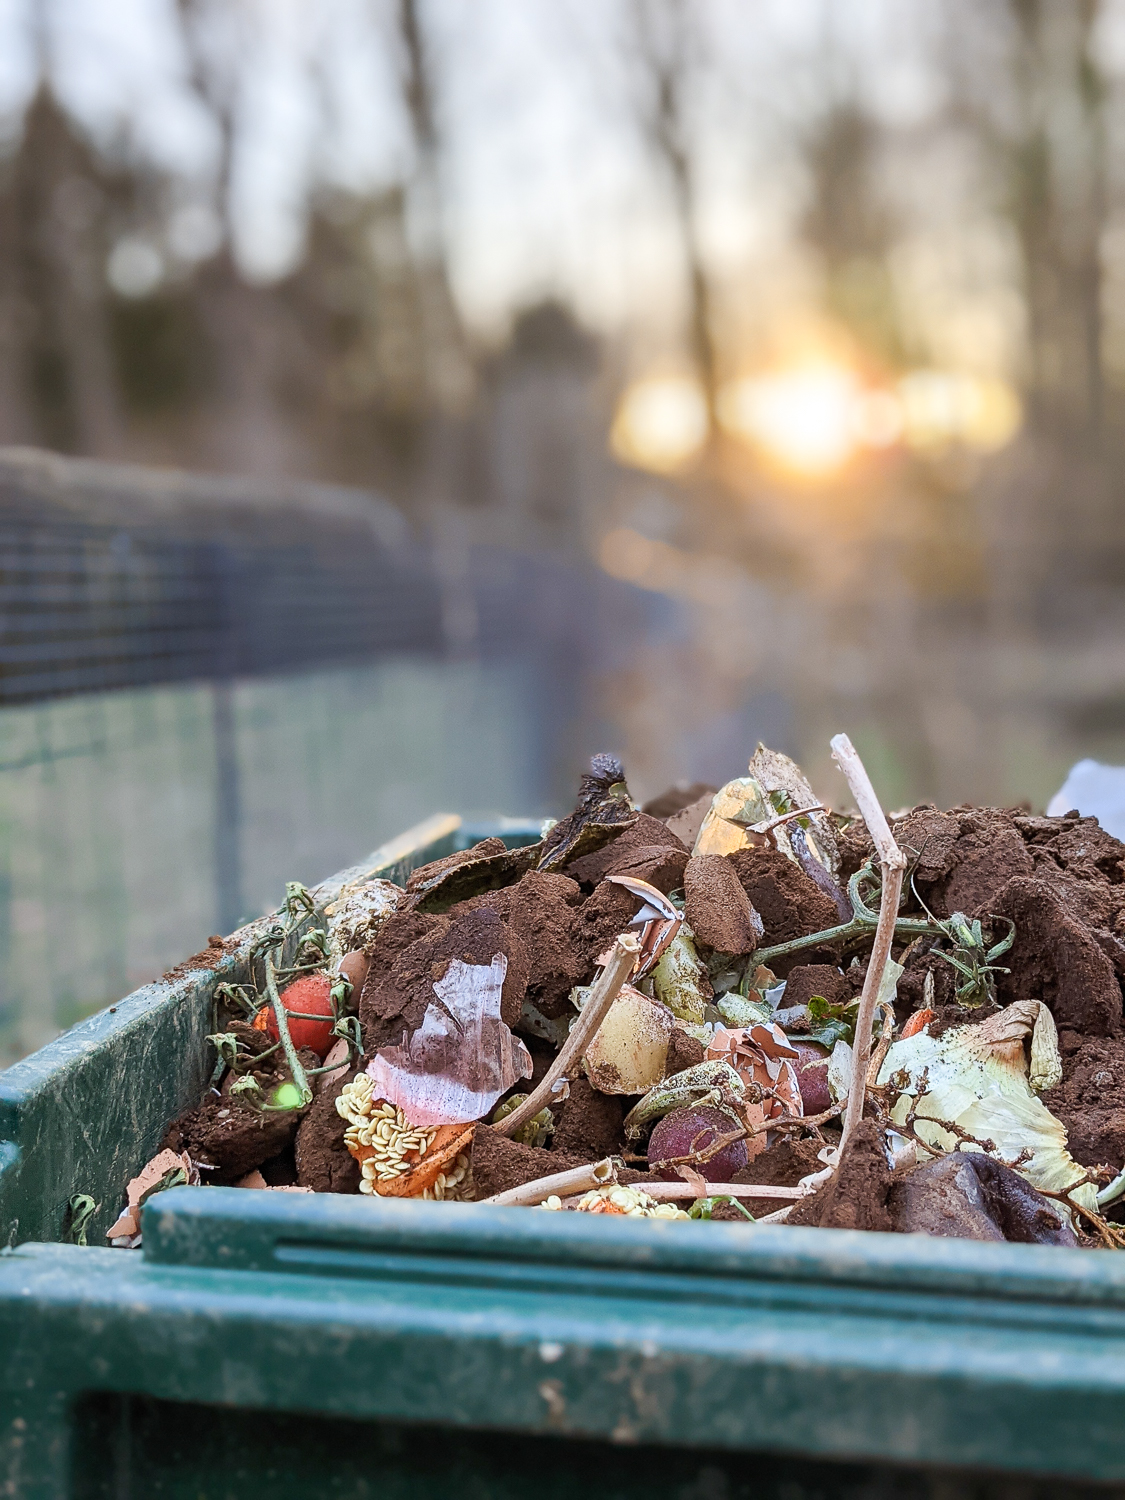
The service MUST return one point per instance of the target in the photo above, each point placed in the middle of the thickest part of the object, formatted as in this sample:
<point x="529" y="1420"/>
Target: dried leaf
<point x="462" y="1057"/>
<point x="603" y="809"/>
<point x="473" y="877"/>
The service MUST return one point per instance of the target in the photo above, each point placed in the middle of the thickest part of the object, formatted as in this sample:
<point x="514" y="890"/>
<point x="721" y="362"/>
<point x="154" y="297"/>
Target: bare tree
<point x="665" y="46"/>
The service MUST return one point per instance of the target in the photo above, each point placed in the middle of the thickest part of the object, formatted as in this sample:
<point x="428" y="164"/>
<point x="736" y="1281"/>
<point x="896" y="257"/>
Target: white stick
<point x="892" y="864"/>
<point x="606" y="989"/>
<point x="662" y="1191"/>
<point x="576" y="1180"/>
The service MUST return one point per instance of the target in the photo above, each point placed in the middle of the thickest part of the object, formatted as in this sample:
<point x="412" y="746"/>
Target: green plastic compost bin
<point x="288" y="1345"/>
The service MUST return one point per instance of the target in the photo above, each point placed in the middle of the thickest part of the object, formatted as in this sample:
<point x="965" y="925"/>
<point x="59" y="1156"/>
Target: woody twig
<point x="892" y="864"/>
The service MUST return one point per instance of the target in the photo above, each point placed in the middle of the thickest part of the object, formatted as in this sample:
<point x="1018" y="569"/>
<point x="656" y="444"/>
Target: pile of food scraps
<point x="730" y="1004"/>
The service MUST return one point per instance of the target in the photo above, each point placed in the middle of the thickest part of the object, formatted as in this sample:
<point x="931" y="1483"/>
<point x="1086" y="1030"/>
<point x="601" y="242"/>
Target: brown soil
<point x="500" y="1164"/>
<point x="590" y="1125"/>
<point x="1090" y="1101"/>
<point x="231" y="1137"/>
<point x="676" y="798"/>
<point x="323" y="1161"/>
<point x="1083" y="842"/>
<point x="788" y="902"/>
<point x="855" y="848"/>
<point x="1056" y="960"/>
<point x="281" y="1170"/>
<point x="543" y="915"/>
<point x="911" y="990"/>
<point x="927" y="838"/>
<point x="780" y="1165"/>
<point x="717" y="909"/>
<point x="643" y="833"/>
<point x="600" y="918"/>
<point x="395" y="997"/>
<point x="856" y="1197"/>
<point x="207" y="958"/>
<point x="659" y="864"/>
<point x="988" y="854"/>
<point x="807" y="980"/>
<point x="426" y="873"/>
<point x="684" y="1051"/>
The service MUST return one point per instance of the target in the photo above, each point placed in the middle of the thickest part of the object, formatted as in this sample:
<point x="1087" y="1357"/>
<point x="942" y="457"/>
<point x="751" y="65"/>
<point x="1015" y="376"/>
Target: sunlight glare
<point x="661" y="423"/>
<point x="804" y="418"/>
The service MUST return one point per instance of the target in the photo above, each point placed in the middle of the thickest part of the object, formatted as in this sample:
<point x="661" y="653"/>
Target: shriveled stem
<point x="663" y="1191"/>
<point x="578" y="1180"/>
<point x="582" y="1033"/>
<point x="892" y="863"/>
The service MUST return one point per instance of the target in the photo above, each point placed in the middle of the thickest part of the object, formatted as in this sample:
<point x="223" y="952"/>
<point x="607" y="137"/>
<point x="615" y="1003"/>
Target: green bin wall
<point x="327" y="1345"/>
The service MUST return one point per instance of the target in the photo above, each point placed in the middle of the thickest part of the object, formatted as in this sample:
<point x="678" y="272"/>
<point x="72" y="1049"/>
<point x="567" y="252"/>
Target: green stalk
<point x="296" y="1069"/>
<point x="857" y="927"/>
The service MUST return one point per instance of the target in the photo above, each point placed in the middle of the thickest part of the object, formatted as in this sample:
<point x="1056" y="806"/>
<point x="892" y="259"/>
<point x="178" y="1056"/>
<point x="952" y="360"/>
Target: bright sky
<point x="547" y="187"/>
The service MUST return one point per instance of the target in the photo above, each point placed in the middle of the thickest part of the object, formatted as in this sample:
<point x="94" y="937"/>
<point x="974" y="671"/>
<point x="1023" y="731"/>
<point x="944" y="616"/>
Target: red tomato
<point x="309" y="995"/>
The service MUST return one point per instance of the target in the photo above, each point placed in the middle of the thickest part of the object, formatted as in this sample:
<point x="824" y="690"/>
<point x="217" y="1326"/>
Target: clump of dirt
<point x="807" y="980"/>
<point x="1090" y="1100"/>
<point x="643" y="833"/>
<point x="856" y="1197"/>
<point x="395" y="996"/>
<point x="541" y="910"/>
<point x="855" y="848"/>
<point x="684" y="1051"/>
<point x="425" y="874"/>
<point x="911" y="989"/>
<point x="659" y="864"/>
<point x="207" y="958"/>
<point x="229" y="1136"/>
<point x="600" y="918"/>
<point x="986" y="856"/>
<point x="590" y="1124"/>
<point x="1056" y="960"/>
<point x="928" y="838"/>
<point x="500" y="1164"/>
<point x="324" y="1163"/>
<point x="717" y="909"/>
<point x="789" y="903"/>
<point x="676" y="798"/>
<point x="1082" y="843"/>
<point x="780" y="1165"/>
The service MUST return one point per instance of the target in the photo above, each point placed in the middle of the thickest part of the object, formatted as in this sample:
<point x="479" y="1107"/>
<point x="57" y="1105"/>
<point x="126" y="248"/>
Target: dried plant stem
<point x="578" y="1180"/>
<point x="662" y="1191"/>
<point x="892" y="864"/>
<point x="605" y="991"/>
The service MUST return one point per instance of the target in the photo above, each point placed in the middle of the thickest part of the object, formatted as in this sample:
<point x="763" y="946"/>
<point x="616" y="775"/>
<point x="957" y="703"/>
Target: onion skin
<point x="694" y="1128"/>
<point x="309" y="995"/>
<point x="813" y="1080"/>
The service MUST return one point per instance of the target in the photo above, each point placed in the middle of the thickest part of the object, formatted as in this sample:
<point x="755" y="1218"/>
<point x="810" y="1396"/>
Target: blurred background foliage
<point x="807" y="315"/>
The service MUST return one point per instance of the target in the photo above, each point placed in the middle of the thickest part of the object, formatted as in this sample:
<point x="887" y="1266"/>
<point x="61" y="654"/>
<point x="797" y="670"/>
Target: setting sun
<point x="803" y="418"/>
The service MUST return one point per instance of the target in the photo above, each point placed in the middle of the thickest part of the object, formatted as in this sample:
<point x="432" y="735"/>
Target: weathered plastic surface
<point x="293" y="1345"/>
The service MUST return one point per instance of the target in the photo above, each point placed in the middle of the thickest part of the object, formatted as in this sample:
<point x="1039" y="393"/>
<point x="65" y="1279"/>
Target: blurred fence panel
<point x="210" y="686"/>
